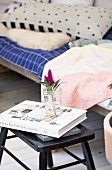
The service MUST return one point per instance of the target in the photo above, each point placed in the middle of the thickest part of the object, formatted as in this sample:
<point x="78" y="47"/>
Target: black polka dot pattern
<point x="74" y="20"/>
<point x="18" y="3"/>
<point x="27" y="1"/>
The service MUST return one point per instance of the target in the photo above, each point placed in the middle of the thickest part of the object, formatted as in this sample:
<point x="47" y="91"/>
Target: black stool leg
<point x="49" y="159"/>
<point x="43" y="161"/>
<point x="3" y="136"/>
<point x="88" y="156"/>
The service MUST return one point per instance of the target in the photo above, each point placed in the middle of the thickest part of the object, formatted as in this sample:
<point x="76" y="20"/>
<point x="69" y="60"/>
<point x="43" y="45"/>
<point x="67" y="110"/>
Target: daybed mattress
<point x="32" y="60"/>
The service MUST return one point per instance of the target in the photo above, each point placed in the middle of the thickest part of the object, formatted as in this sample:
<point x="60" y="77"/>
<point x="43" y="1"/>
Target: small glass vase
<point x="52" y="100"/>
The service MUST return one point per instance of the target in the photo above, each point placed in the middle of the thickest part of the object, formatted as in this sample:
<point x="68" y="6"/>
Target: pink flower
<point x="49" y="78"/>
<point x="49" y="83"/>
<point x="110" y="86"/>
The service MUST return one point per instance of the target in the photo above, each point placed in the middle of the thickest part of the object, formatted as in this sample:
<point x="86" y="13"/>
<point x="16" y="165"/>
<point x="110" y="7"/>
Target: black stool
<point x="45" y="148"/>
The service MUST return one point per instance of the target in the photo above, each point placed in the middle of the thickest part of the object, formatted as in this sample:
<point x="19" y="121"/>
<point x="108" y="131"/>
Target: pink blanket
<point x="83" y="90"/>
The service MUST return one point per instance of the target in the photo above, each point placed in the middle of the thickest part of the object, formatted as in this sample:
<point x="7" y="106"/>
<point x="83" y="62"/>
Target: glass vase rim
<point x="45" y="91"/>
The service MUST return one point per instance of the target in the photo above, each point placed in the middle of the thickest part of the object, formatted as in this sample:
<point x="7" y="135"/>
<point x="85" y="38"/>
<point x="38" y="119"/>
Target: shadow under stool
<point x="45" y="148"/>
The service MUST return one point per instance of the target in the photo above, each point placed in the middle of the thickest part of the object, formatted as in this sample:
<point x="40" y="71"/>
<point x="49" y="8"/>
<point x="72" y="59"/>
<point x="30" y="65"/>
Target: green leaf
<point x="43" y="83"/>
<point x="55" y="83"/>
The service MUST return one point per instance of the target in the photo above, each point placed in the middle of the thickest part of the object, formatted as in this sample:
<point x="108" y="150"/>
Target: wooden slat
<point x="3" y="69"/>
<point x="19" y="70"/>
<point x="100" y="110"/>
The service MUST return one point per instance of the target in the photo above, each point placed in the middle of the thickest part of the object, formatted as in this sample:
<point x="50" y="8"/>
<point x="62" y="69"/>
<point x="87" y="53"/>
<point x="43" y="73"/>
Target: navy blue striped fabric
<point x="32" y="60"/>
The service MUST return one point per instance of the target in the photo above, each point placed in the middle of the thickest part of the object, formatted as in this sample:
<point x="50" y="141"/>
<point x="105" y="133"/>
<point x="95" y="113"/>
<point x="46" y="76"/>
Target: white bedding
<point x="35" y="40"/>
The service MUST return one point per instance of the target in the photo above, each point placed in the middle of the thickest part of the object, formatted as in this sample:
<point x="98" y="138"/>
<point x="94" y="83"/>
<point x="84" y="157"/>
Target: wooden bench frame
<point x="19" y="70"/>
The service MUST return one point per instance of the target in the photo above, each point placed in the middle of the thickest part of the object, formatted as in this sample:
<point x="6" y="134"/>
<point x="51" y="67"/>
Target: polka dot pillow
<point x="26" y="1"/>
<point x="17" y="3"/>
<point x="11" y="7"/>
<point x="82" y="21"/>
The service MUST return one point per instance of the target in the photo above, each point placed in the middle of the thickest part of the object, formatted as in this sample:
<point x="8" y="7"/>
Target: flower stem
<point x="53" y="103"/>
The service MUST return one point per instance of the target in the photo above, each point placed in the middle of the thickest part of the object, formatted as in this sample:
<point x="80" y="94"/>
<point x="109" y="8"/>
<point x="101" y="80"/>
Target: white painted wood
<point x="108" y="167"/>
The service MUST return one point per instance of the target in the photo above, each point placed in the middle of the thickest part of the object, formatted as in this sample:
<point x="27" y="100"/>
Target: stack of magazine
<point x="31" y="116"/>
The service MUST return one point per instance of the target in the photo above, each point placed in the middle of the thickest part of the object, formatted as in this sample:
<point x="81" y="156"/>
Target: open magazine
<point x="31" y="116"/>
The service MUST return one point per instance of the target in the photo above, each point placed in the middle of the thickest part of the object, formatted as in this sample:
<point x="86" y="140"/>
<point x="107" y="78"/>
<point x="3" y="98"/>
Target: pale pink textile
<point x="82" y="69"/>
<point x="83" y="90"/>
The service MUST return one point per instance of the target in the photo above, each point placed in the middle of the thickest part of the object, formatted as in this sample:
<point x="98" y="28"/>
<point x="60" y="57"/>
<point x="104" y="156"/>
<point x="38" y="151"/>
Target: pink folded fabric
<point x="83" y="90"/>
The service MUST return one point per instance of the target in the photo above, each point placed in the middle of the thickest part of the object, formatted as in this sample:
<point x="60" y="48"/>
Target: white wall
<point x="3" y="4"/>
<point x="5" y="1"/>
<point x="103" y="3"/>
